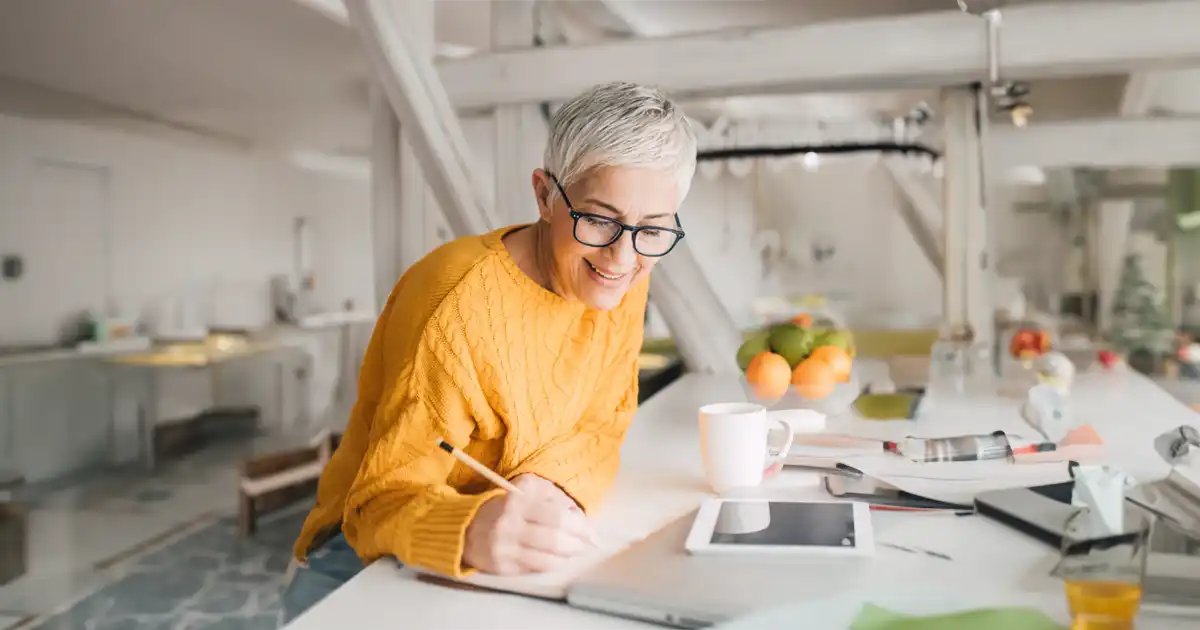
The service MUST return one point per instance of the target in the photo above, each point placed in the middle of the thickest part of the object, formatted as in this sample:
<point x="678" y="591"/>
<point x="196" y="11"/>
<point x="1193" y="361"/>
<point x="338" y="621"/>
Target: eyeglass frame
<point x="632" y="229"/>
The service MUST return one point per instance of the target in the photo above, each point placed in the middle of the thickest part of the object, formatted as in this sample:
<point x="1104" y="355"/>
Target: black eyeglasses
<point x="597" y="230"/>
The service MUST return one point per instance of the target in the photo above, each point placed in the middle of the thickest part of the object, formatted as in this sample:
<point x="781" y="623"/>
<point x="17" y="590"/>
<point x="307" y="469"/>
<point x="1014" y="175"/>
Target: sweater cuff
<point x="567" y="479"/>
<point x="437" y="539"/>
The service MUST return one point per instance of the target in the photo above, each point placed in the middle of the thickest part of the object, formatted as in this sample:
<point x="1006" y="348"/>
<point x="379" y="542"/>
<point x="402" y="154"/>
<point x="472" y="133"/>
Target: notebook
<point x="551" y="585"/>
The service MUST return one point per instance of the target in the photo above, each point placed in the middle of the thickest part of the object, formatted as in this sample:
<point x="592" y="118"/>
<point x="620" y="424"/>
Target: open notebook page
<point x="958" y="482"/>
<point x="551" y="585"/>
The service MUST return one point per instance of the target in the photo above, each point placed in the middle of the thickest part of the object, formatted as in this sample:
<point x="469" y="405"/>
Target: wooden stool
<point x="270" y="482"/>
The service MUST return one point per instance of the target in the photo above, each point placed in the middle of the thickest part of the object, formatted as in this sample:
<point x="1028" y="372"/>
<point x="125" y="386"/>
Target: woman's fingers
<point x="535" y="561"/>
<point x="557" y="516"/>
<point x="553" y="541"/>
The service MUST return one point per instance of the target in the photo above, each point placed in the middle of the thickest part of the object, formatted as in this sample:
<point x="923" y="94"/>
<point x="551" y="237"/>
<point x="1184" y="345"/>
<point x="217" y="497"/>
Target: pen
<point x="934" y="554"/>
<point x="474" y="464"/>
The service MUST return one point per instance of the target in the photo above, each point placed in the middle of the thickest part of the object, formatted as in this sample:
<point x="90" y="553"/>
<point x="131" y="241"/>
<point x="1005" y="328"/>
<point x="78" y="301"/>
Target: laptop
<point x="656" y="580"/>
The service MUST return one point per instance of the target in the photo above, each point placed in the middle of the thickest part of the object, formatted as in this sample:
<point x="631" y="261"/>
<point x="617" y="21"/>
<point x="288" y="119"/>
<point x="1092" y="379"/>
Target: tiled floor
<point x="88" y="535"/>
<point x="211" y="579"/>
<point x="8" y="621"/>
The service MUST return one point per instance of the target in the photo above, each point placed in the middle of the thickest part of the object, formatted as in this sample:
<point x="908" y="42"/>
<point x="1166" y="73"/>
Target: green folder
<point x="873" y="617"/>
<point x="901" y="405"/>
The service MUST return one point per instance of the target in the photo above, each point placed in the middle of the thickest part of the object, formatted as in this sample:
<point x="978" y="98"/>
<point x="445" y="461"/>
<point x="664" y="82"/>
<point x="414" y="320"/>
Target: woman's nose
<point x="622" y="251"/>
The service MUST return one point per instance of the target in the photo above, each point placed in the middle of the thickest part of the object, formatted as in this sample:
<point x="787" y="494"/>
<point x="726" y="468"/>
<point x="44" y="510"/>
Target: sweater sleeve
<point x="584" y="462"/>
<point x="400" y="503"/>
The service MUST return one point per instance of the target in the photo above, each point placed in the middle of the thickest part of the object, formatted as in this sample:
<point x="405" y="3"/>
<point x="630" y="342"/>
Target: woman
<point x="519" y="347"/>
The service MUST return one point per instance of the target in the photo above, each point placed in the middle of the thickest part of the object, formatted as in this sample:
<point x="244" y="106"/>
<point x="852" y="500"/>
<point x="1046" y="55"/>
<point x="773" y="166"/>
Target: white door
<point x="62" y="235"/>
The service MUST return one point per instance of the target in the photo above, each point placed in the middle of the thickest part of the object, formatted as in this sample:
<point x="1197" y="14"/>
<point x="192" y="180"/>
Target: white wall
<point x="847" y="203"/>
<point x="187" y="215"/>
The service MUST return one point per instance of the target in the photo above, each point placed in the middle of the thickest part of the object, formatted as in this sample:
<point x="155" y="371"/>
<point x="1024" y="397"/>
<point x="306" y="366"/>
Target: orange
<point x="838" y="359"/>
<point x="769" y="375"/>
<point x="814" y="378"/>
<point x="803" y="320"/>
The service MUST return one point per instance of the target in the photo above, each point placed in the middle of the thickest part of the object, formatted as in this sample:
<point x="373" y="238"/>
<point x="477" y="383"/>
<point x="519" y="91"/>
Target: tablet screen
<point x="764" y="523"/>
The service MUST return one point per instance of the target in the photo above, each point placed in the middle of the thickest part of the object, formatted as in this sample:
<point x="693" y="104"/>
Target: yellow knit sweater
<point x="471" y="349"/>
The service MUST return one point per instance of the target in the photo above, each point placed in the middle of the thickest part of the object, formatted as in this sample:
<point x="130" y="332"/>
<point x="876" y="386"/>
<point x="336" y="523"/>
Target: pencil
<point x="474" y="464"/>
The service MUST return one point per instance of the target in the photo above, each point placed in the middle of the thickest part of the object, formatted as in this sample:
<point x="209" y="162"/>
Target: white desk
<point x="661" y="479"/>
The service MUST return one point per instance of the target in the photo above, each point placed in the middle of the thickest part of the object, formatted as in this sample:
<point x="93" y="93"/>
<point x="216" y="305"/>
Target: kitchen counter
<point x="23" y="355"/>
<point x="215" y="349"/>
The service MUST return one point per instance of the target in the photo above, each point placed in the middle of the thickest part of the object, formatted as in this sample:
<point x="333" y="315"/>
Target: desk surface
<point x="661" y="479"/>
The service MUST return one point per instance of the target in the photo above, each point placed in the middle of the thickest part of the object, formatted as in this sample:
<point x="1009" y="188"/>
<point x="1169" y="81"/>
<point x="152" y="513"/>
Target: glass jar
<point x="982" y="371"/>
<point x="948" y="367"/>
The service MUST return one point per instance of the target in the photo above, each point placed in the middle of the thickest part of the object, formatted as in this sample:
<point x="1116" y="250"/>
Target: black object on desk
<point x="1039" y="512"/>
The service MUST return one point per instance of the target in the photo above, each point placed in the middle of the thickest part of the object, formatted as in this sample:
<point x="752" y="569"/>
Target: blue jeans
<point x="329" y="567"/>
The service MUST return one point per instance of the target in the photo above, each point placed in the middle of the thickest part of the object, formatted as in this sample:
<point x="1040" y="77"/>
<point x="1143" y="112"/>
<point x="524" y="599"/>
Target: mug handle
<point x="777" y="459"/>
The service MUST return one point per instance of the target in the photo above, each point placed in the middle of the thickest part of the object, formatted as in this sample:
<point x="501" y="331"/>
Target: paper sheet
<point x="958" y="482"/>
<point x="825" y="446"/>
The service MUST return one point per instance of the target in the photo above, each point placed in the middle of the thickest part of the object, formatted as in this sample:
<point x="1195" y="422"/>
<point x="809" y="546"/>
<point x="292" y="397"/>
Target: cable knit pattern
<point x="471" y="349"/>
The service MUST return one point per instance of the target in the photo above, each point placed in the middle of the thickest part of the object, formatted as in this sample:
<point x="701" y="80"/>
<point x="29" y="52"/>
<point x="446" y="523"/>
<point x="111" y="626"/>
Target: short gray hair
<point x="620" y="124"/>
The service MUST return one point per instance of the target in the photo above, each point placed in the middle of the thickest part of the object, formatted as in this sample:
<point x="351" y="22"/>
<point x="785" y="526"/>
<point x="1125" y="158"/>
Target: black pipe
<point x="849" y="147"/>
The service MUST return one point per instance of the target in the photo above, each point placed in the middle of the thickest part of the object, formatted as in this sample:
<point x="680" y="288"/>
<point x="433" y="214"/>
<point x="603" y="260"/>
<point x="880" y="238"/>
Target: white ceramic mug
<point x="733" y="444"/>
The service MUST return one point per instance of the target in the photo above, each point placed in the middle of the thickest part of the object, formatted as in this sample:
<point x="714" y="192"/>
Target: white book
<point x="551" y="585"/>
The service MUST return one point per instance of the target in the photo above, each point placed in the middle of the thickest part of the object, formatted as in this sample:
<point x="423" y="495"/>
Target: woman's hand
<point x="533" y="532"/>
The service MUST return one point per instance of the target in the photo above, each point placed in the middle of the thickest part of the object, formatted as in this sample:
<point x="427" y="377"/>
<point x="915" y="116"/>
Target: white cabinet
<point x="91" y="394"/>
<point x="58" y="418"/>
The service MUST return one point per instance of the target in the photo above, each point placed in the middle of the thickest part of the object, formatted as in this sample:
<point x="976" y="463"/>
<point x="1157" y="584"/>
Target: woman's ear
<point x="542" y="191"/>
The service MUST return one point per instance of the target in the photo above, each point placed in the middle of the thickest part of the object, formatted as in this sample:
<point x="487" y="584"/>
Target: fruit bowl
<point x="836" y="403"/>
<point x="793" y="365"/>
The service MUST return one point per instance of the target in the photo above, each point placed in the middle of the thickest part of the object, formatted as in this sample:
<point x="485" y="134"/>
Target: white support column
<point x="420" y="102"/>
<point x="1111" y="219"/>
<point x="980" y="269"/>
<point x="418" y="212"/>
<point x="966" y="290"/>
<point x="517" y="125"/>
<point x="922" y="213"/>
<point x="385" y="211"/>
<point x="703" y="329"/>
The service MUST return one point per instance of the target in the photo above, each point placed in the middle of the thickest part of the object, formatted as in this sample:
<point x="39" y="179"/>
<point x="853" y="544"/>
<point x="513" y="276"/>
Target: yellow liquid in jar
<point x="1103" y="605"/>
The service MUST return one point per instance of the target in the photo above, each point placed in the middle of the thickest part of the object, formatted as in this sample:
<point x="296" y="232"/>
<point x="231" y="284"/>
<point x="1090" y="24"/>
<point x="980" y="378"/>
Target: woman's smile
<point x="609" y="277"/>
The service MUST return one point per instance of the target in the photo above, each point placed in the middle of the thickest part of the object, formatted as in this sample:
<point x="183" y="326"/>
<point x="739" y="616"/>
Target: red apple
<point x="1029" y="343"/>
<point x="1108" y="358"/>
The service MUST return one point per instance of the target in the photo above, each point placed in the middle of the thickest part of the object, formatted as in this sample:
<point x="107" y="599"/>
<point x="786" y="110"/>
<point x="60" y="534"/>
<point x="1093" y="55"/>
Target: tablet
<point x="772" y="526"/>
